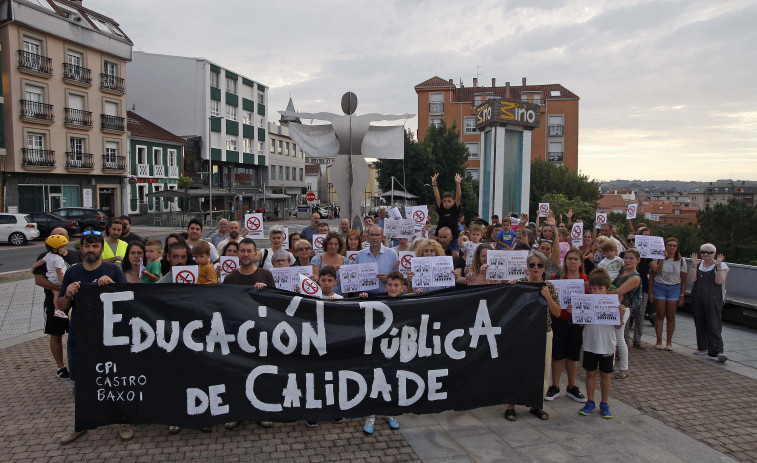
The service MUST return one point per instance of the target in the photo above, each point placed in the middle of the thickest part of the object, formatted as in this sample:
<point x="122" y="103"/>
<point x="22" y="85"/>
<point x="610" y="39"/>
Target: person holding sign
<point x="92" y="270"/>
<point x="448" y="207"/>
<point x="303" y="250"/>
<point x="276" y="236"/>
<point x="333" y="245"/>
<point x="133" y="260"/>
<point x="354" y="242"/>
<point x="708" y="276"/>
<point x="536" y="264"/>
<point x="667" y="289"/>
<point x="628" y="283"/>
<point x="248" y="273"/>
<point x="384" y="257"/>
<point x="599" y="350"/>
<point x="567" y="336"/>
<point x="178" y="255"/>
<point x="477" y="273"/>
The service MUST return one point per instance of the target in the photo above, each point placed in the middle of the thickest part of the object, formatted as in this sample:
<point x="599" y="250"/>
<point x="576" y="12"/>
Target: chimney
<point x="524" y="81"/>
<point x="475" y="82"/>
<point x="494" y="82"/>
<point x="507" y="91"/>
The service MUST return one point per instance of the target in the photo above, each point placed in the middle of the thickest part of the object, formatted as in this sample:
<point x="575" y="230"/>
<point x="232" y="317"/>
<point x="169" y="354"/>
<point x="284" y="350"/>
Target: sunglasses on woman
<point x="303" y="249"/>
<point x="534" y="264"/>
<point x="708" y="252"/>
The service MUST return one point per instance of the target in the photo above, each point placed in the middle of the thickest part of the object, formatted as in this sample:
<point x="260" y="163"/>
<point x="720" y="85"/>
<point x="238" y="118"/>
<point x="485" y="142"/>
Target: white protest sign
<point x="253" y="223"/>
<point x="319" y="244"/>
<point x="282" y="278"/>
<point x="577" y="234"/>
<point x="285" y="243"/>
<point x="350" y="257"/>
<point x="185" y="274"/>
<point x="349" y="278"/>
<point x="600" y="219"/>
<point x="433" y="272"/>
<point x="506" y="265"/>
<point x="228" y="265"/>
<point x="595" y="309"/>
<point x="394" y="213"/>
<point x="652" y="247"/>
<point x="566" y="289"/>
<point x="399" y="228"/>
<point x="419" y="214"/>
<point x="406" y="262"/>
<point x="421" y="267"/>
<point x="470" y="249"/>
<point x="631" y="211"/>
<point x="543" y="209"/>
<point x="142" y="267"/>
<point x="309" y="287"/>
<point x="368" y="276"/>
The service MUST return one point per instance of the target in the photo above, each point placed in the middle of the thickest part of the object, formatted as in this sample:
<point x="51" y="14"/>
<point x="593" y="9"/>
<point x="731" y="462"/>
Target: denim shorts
<point x="667" y="293"/>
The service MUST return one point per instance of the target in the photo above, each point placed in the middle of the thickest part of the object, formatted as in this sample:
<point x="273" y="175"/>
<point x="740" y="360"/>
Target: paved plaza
<point x="673" y="408"/>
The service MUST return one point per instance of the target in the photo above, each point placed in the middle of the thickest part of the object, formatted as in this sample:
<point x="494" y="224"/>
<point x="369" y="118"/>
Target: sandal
<point x="669" y="348"/>
<point x="510" y="415"/>
<point x="622" y="375"/>
<point x="539" y="413"/>
<point x="658" y="346"/>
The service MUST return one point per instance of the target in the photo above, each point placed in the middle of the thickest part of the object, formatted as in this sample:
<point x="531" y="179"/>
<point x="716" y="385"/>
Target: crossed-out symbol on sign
<point x="309" y="287"/>
<point x="419" y="216"/>
<point x="229" y="266"/>
<point x="631" y="209"/>
<point x="319" y="242"/>
<point x="253" y="223"/>
<point x="185" y="276"/>
<point x="576" y="232"/>
<point x="352" y="258"/>
<point x="600" y="219"/>
<point x="406" y="261"/>
<point x="544" y="208"/>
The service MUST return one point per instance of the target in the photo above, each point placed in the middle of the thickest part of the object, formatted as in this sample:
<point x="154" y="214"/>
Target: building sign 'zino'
<point x="508" y="112"/>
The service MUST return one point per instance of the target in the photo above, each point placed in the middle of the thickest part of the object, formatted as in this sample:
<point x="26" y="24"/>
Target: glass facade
<point x="37" y="198"/>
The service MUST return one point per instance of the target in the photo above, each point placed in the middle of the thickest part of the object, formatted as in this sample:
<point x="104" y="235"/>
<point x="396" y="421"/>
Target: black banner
<point x="198" y="355"/>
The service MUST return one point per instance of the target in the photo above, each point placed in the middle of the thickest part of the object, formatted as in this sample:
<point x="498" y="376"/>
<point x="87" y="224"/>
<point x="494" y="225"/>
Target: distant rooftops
<point x="74" y="11"/>
<point x="462" y="93"/>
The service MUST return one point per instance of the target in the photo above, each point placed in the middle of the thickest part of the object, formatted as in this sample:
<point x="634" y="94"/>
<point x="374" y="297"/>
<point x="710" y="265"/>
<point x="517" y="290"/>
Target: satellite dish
<point x="349" y="103"/>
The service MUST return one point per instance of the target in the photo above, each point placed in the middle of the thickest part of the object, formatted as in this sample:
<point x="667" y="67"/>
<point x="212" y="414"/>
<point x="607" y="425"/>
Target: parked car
<point x="17" y="229"/>
<point x="46" y="221"/>
<point x="88" y="219"/>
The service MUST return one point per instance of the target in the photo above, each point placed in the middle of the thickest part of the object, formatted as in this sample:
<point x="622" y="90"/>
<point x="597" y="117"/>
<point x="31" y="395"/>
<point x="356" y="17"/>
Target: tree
<point x="548" y="178"/>
<point x="185" y="183"/>
<point x="560" y="204"/>
<point x="412" y="171"/>
<point x="730" y="227"/>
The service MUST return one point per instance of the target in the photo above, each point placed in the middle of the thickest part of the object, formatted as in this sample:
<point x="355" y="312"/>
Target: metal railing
<point x="78" y="117"/>
<point x="37" y="157"/>
<point x="77" y="73"/>
<point x="112" y="122"/>
<point x="80" y="160"/>
<point x="114" y="162"/>
<point x="37" y="110"/>
<point x="112" y="82"/>
<point x="35" y="62"/>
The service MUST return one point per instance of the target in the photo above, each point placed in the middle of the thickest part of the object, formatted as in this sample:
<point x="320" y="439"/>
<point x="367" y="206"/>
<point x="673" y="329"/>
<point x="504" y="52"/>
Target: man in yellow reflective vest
<point x="114" y="249"/>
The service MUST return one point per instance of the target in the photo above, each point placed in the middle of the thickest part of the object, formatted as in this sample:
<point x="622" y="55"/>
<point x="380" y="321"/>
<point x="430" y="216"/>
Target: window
<point x="231" y="85"/>
<point x="260" y="123"/>
<point x="215" y="108"/>
<point x="273" y="172"/>
<point x="110" y="69"/>
<point x="273" y="146"/>
<point x="260" y="147"/>
<point x="473" y="173"/>
<point x="74" y="58"/>
<point x="286" y="149"/>
<point x="111" y="155"/>
<point x="157" y="156"/>
<point x="261" y="98"/>
<point x="555" y="153"/>
<point x="111" y="108"/>
<point x="281" y="172"/>
<point x="231" y="112"/>
<point x="171" y="158"/>
<point x="35" y="141"/>
<point x="287" y="172"/>
<point x="436" y="103"/>
<point x="247" y="145"/>
<point x="35" y="98"/>
<point x="231" y="144"/>
<point x="470" y="125"/>
<point x="436" y="121"/>
<point x="281" y="147"/>
<point x="555" y="93"/>
<point x="248" y="118"/>
<point x="77" y="145"/>
<point x="32" y="46"/>
<point x="301" y="170"/>
<point x="556" y="126"/>
<point x="472" y="150"/>
<point x="214" y="79"/>
<point x="141" y="155"/>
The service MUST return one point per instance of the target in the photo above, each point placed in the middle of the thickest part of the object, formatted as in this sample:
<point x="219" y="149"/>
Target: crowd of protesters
<point x="607" y="262"/>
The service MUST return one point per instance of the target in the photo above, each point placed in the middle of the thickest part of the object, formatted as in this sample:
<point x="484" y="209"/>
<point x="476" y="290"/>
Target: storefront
<point x="36" y="193"/>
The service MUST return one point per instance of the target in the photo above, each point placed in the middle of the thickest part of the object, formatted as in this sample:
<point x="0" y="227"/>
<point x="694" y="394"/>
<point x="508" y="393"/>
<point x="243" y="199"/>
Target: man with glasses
<point x="377" y="253"/>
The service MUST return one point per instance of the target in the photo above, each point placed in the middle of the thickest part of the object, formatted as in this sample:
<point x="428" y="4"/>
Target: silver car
<point x="17" y="229"/>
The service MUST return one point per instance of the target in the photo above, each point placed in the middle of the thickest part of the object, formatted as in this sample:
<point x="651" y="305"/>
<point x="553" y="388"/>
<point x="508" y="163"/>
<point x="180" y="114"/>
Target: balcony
<point x="34" y="64"/>
<point x="556" y="130"/>
<point x="555" y="156"/>
<point x="77" y="118"/>
<point x="77" y="75"/>
<point x="32" y="157"/>
<point x="112" y="124"/>
<point x="76" y="160"/>
<point x="158" y="170"/>
<point x="111" y="162"/>
<point x="34" y="111"/>
<point x="173" y="171"/>
<point x="112" y="84"/>
<point x="436" y="107"/>
<point x="143" y="170"/>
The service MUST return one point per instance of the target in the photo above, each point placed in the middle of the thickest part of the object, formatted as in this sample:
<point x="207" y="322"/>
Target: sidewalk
<point x="674" y="407"/>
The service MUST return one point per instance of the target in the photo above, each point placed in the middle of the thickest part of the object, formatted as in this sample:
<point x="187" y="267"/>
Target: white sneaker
<point x="369" y="425"/>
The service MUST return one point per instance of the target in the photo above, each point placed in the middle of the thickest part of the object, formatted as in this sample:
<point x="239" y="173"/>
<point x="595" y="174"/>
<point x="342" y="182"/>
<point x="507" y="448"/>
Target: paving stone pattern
<point x="20" y="308"/>
<point x="38" y="409"/>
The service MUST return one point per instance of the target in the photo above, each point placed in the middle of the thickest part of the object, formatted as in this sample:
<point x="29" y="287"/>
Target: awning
<point x="167" y="194"/>
<point x="276" y="196"/>
<point x="204" y="192"/>
<point x="398" y="194"/>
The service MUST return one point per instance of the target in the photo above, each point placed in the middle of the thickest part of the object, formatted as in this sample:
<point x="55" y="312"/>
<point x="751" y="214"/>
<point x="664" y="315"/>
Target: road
<point x="19" y="258"/>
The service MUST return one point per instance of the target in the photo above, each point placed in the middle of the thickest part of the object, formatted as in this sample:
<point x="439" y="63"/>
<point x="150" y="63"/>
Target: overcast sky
<point x="667" y="88"/>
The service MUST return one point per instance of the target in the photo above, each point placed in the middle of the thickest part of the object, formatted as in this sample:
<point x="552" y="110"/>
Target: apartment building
<point x="555" y="140"/>
<point x="63" y="85"/>
<point x="286" y="169"/>
<point x="721" y="192"/>
<point x="221" y="112"/>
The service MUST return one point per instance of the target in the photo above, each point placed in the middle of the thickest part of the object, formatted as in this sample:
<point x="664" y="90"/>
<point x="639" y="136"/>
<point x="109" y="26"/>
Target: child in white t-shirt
<point x="56" y="266"/>
<point x="612" y="264"/>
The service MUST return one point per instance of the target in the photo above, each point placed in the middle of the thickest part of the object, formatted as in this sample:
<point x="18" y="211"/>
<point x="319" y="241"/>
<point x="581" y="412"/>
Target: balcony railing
<point x="78" y="117"/>
<point x="37" y="157"/>
<point x="37" y="110"/>
<point x="555" y="156"/>
<point x="113" y="83"/>
<point x="77" y="73"/>
<point x="78" y="160"/>
<point x="436" y="107"/>
<point x="143" y="170"/>
<point x="173" y="171"/>
<point x="34" y="62"/>
<point x="158" y="170"/>
<point x="114" y="162"/>
<point x="556" y="130"/>
<point x="112" y="122"/>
